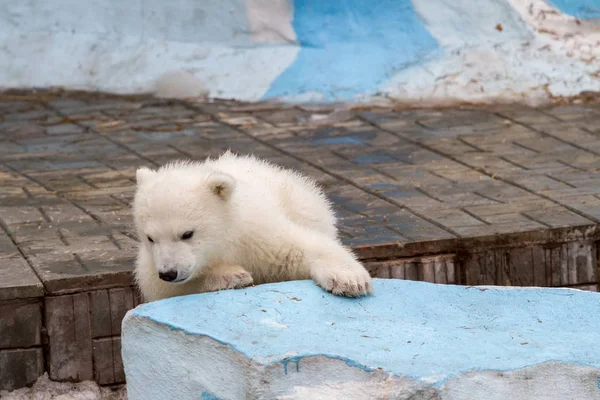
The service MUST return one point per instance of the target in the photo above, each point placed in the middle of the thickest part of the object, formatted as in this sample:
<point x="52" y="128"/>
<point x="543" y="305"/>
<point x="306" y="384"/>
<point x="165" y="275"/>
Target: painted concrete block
<point x="411" y="340"/>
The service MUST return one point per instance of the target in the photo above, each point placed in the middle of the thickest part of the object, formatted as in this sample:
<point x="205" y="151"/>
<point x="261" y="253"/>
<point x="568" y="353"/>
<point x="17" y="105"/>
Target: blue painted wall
<point x="351" y="46"/>
<point x="419" y="51"/>
<point x="584" y="9"/>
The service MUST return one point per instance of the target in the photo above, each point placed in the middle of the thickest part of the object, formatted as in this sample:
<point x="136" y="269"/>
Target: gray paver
<point x="20" y="367"/>
<point x="18" y="278"/>
<point x="21" y="324"/>
<point x="404" y="183"/>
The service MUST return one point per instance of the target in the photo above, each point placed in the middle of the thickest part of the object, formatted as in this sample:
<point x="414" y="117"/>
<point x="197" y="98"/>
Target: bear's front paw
<point x="354" y="282"/>
<point x="228" y="278"/>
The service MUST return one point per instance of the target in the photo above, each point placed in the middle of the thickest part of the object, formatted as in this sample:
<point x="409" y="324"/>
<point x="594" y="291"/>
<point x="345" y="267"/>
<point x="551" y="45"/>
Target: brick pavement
<point x="404" y="183"/>
<point x="503" y="195"/>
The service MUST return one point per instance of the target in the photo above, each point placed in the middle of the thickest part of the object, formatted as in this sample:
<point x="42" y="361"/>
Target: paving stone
<point x="20" y="367"/>
<point x="21" y="323"/>
<point x="69" y="337"/>
<point x="557" y="216"/>
<point x="572" y="113"/>
<point x="83" y="334"/>
<point x="526" y="115"/>
<point x="64" y="129"/>
<point x="588" y="205"/>
<point x="121" y="301"/>
<point x="108" y="307"/>
<point x="18" y="278"/>
<point x="18" y="215"/>
<point x="64" y="272"/>
<point x="402" y="182"/>
<point x="454" y="218"/>
<point x="106" y="350"/>
<point x="101" y="314"/>
<point x="566" y="264"/>
<point x="480" y="232"/>
<point x="434" y="269"/>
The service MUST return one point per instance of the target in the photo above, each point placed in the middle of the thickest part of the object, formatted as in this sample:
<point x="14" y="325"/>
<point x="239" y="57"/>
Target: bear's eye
<point x="150" y="239"/>
<point x="187" y="235"/>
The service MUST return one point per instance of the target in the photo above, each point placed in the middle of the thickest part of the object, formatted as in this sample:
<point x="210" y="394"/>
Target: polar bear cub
<point x="235" y="221"/>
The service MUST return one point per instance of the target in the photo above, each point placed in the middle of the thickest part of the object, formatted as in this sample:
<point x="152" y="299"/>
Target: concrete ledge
<point x="294" y="341"/>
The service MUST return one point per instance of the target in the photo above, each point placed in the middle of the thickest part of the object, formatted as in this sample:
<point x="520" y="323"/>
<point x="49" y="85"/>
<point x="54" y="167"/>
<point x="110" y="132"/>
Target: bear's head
<point x="182" y="216"/>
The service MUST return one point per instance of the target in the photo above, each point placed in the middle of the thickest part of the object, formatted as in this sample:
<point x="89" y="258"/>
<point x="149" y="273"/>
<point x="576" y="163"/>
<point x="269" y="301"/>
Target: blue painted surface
<point x="349" y="47"/>
<point x="208" y="396"/>
<point x="408" y="328"/>
<point x="583" y="9"/>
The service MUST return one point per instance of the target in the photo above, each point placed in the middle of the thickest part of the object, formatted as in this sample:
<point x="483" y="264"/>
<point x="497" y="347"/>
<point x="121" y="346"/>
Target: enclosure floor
<point x="405" y="183"/>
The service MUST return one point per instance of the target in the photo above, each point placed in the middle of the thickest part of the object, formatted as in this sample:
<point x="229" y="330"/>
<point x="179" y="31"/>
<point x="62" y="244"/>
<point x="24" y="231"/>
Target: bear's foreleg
<point x="335" y="268"/>
<point x="225" y="277"/>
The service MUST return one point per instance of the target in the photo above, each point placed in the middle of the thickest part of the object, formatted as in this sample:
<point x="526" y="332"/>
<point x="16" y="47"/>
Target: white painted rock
<point x="412" y="340"/>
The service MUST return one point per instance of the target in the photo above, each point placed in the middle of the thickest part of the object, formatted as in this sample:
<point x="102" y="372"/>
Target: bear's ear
<point x="221" y="184"/>
<point x="143" y="175"/>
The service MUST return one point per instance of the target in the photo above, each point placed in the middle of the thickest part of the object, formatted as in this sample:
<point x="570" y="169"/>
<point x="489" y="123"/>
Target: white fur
<point x="253" y="222"/>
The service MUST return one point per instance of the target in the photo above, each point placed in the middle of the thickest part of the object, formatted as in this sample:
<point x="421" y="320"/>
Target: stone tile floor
<point x="404" y="182"/>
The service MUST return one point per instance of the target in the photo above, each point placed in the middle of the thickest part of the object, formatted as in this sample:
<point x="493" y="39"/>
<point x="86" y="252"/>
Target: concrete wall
<point x="299" y="50"/>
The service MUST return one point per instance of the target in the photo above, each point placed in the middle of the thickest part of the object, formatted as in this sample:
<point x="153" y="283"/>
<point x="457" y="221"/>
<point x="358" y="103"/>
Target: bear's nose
<point x="168" y="276"/>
